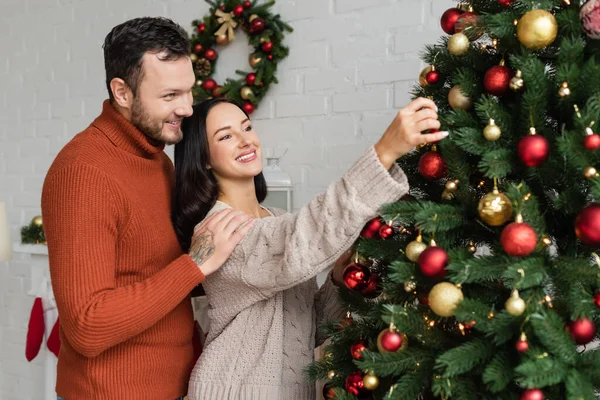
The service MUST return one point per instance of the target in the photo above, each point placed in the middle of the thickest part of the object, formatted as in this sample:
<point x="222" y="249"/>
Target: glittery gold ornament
<point x="515" y="305"/>
<point x="371" y="382"/>
<point x="444" y="297"/>
<point x="457" y="100"/>
<point x="415" y="248"/>
<point x="495" y="208"/>
<point x="458" y="44"/>
<point x="492" y="131"/>
<point x="517" y="83"/>
<point x="537" y="29"/>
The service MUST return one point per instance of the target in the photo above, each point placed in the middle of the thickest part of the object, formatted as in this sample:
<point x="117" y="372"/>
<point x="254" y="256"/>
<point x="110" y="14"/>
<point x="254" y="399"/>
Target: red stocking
<point x="54" y="339"/>
<point x="35" y="332"/>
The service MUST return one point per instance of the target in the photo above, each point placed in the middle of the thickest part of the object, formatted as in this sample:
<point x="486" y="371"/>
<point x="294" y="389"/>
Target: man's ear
<point x="121" y="92"/>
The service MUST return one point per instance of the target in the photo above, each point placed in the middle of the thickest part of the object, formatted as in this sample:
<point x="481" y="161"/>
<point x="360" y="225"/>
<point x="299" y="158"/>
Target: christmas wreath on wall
<point x="265" y="33"/>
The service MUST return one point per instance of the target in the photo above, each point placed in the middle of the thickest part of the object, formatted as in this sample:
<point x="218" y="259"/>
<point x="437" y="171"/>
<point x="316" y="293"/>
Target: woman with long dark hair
<point x="264" y="301"/>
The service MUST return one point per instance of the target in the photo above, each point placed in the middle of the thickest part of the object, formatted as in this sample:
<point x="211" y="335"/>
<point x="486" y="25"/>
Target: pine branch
<point x="463" y="358"/>
<point x="579" y="387"/>
<point x="497" y="163"/>
<point x="499" y="373"/>
<point x="541" y="372"/>
<point x="549" y="328"/>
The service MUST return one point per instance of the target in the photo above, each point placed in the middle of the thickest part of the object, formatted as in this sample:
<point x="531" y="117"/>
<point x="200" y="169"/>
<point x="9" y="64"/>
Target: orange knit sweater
<point x="120" y="280"/>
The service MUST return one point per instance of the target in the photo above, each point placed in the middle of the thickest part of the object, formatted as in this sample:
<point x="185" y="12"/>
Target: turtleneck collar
<point x="123" y="134"/>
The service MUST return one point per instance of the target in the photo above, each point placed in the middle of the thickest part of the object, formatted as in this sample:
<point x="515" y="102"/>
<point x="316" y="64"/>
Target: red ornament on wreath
<point x="210" y="54"/>
<point x="433" y="261"/>
<point x="587" y="225"/>
<point x="238" y="10"/>
<point x="209" y="85"/>
<point x="532" y="394"/>
<point x="582" y="330"/>
<point x="251" y="78"/>
<point x="497" y="80"/>
<point x="432" y="166"/>
<point x="533" y="149"/>
<point x="215" y="91"/>
<point x="356" y="276"/>
<point x="248" y="107"/>
<point x="356" y="349"/>
<point x="201" y="28"/>
<point x="448" y="20"/>
<point x="355" y="384"/>
<point x="267" y="47"/>
<point x="247" y="4"/>
<point x="198" y="49"/>
<point x="518" y="239"/>
<point x="257" y="26"/>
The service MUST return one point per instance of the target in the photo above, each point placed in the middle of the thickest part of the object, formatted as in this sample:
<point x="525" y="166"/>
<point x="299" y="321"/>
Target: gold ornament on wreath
<point x="34" y="232"/>
<point x="265" y="33"/>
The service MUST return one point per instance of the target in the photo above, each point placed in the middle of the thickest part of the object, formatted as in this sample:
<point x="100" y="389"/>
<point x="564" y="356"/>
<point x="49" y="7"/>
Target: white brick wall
<point x="351" y="64"/>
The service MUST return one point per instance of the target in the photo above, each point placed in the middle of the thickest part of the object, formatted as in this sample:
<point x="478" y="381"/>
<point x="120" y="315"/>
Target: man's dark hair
<point x="126" y="44"/>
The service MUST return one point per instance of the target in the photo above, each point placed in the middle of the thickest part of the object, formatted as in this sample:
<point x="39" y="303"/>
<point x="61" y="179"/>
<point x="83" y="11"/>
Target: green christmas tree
<point x="483" y="282"/>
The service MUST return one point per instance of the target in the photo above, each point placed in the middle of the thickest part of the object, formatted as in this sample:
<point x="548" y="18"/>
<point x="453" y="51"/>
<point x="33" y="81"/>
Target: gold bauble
<point x="492" y="131"/>
<point x="246" y="93"/>
<point x="452" y="185"/>
<point x="252" y="17"/>
<point x="222" y="39"/>
<point x="265" y="39"/>
<point x="415" y="248"/>
<point x="590" y="172"/>
<point x="458" y="44"/>
<point x="444" y="297"/>
<point x="517" y="83"/>
<point x="199" y="82"/>
<point x="193" y="57"/>
<point x="471" y="248"/>
<point x="457" y="100"/>
<point x="370" y="381"/>
<point x="564" y="90"/>
<point x="331" y="374"/>
<point x="254" y="60"/>
<point x="515" y="305"/>
<point x="537" y="29"/>
<point x="423" y="76"/>
<point x="410" y="286"/>
<point x="37" y="220"/>
<point x="495" y="208"/>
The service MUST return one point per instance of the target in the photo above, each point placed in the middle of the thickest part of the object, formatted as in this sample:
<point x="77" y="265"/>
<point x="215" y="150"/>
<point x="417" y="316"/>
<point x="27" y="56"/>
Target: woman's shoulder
<point x="219" y="205"/>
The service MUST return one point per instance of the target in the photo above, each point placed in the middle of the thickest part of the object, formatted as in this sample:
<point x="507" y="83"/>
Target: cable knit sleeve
<point x="281" y="252"/>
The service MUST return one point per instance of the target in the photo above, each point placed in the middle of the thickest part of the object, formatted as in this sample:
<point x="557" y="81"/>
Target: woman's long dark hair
<point x="196" y="189"/>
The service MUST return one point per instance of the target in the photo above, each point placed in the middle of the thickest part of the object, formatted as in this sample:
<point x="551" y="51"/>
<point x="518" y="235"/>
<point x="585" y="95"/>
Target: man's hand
<point x="216" y="237"/>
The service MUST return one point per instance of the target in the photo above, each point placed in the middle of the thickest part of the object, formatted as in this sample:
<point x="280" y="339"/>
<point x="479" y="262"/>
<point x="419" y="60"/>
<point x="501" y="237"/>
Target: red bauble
<point x="592" y="142"/>
<point x="209" y="85"/>
<point x="391" y="341"/>
<point x="248" y="107"/>
<point x="533" y="150"/>
<point x="328" y="392"/>
<point x="371" y="229"/>
<point x="432" y="262"/>
<point x="449" y="18"/>
<point x="270" y="57"/>
<point x="582" y="330"/>
<point x="518" y="239"/>
<point x="497" y="80"/>
<point x="386" y="231"/>
<point x="267" y="47"/>
<point x="238" y="10"/>
<point x="356" y="276"/>
<point x="522" y="346"/>
<point x="505" y="3"/>
<point x="198" y="48"/>
<point x="210" y="55"/>
<point x="251" y="78"/>
<point x="597" y="299"/>
<point x="355" y="384"/>
<point x="247" y="4"/>
<point x="373" y="288"/>
<point x="587" y="225"/>
<point x="257" y="26"/>
<point x="201" y="28"/>
<point x="467" y="22"/>
<point x="532" y="394"/>
<point x="432" y="77"/>
<point x="432" y="165"/>
<point x="356" y="350"/>
<point x="215" y="92"/>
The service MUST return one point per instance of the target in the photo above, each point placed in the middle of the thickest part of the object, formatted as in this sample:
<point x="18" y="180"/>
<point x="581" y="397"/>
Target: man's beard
<point x="153" y="129"/>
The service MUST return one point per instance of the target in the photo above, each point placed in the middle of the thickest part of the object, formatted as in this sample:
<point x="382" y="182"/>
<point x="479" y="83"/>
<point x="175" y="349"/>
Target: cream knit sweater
<point x="264" y="302"/>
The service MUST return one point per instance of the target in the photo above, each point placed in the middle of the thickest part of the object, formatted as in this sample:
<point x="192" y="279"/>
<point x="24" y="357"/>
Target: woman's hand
<point x="404" y="133"/>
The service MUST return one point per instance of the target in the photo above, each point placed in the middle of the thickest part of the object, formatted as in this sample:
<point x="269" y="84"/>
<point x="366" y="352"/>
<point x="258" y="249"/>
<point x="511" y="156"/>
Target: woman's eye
<point x="225" y="137"/>
<point x="248" y="128"/>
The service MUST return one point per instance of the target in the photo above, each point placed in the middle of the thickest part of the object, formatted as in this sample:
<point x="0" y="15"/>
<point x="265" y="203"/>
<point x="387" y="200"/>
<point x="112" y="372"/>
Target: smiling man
<point x="119" y="276"/>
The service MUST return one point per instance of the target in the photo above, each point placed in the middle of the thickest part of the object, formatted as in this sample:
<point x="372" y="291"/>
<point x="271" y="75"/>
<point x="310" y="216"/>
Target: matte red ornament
<point x="432" y="166"/>
<point x="532" y="394"/>
<point x="592" y="142"/>
<point x="356" y="350"/>
<point x="355" y="384"/>
<point x="210" y="55"/>
<point x="433" y="261"/>
<point x="448" y="20"/>
<point x="248" y="107"/>
<point x="533" y="150"/>
<point x="497" y="80"/>
<point x="251" y="78"/>
<point x="582" y="330"/>
<point x="238" y="10"/>
<point x="518" y="239"/>
<point x="386" y="231"/>
<point x="587" y="225"/>
<point x="356" y="276"/>
<point x="209" y="85"/>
